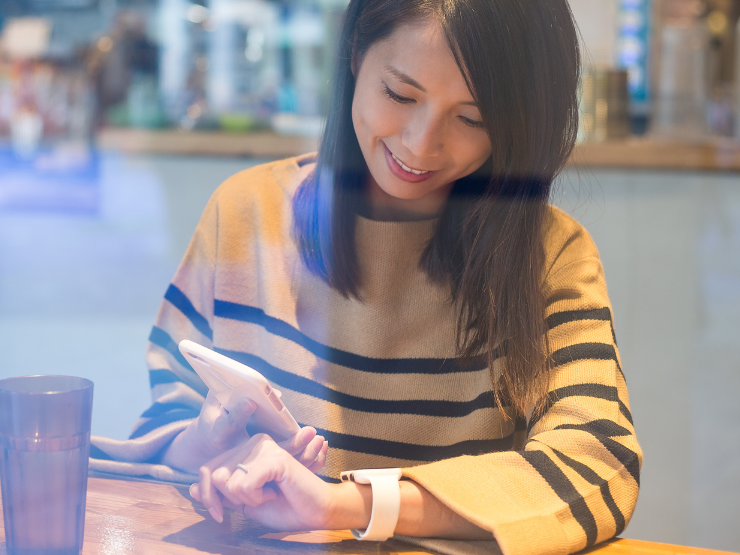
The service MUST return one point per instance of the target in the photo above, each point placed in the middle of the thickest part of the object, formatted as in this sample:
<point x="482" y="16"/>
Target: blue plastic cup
<point x="44" y="450"/>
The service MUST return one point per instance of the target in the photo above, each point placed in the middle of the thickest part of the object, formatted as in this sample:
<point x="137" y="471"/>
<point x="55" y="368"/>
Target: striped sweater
<point x="379" y="378"/>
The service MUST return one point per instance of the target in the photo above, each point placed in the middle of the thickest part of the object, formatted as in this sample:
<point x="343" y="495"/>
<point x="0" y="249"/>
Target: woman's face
<point x="417" y="124"/>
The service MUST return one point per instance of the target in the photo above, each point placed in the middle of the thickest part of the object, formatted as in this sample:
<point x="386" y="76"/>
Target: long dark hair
<point x="520" y="59"/>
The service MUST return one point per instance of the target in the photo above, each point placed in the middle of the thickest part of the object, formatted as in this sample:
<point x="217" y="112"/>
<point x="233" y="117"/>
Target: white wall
<point x="670" y="245"/>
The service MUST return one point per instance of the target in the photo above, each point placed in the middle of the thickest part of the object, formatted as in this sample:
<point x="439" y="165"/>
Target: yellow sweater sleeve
<point x="576" y="480"/>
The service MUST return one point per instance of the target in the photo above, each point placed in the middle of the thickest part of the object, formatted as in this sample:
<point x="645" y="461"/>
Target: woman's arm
<point x="421" y="514"/>
<point x="213" y="432"/>
<point x="573" y="484"/>
<point x="285" y="495"/>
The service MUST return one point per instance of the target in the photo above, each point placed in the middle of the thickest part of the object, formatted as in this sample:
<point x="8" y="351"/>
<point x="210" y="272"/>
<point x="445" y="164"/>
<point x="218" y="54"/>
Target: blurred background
<point x="118" y="119"/>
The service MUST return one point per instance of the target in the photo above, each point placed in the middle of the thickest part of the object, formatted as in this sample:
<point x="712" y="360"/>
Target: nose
<point x="424" y="135"/>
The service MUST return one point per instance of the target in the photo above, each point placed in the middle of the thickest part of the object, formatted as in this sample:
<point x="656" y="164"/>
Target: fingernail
<point x="217" y="517"/>
<point x="190" y="490"/>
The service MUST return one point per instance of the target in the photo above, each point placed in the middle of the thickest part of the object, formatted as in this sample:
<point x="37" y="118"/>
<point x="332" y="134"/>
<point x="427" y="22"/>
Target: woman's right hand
<point x="217" y="430"/>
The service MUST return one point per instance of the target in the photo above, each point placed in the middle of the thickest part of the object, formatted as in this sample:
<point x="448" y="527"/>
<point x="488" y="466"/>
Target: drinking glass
<point x="44" y="450"/>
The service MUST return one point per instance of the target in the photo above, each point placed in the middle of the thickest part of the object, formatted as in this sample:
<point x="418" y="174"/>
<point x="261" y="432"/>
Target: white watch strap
<point x="386" y="506"/>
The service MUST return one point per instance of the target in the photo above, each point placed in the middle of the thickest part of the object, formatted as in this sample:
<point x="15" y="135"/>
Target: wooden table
<point x="152" y="518"/>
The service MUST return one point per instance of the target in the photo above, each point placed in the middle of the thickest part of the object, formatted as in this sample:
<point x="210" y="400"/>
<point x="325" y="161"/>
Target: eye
<point x="395" y="97"/>
<point x="472" y="123"/>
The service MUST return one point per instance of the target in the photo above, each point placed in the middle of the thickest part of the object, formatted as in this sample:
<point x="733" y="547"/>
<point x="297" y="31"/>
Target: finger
<point x="224" y="467"/>
<point x="223" y="479"/>
<point x="262" y="495"/>
<point x="195" y="494"/>
<point x="195" y="491"/>
<point x="244" y="486"/>
<point x="228" y="458"/>
<point x="231" y="426"/>
<point x="311" y="451"/>
<point x="247" y="482"/>
<point x="299" y="441"/>
<point x="211" y="400"/>
<point x="252" y="489"/>
<point x="209" y="496"/>
<point x="320" y="461"/>
<point x="210" y="412"/>
<point x="240" y="415"/>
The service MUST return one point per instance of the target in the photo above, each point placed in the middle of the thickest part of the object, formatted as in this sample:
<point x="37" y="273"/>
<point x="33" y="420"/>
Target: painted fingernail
<point x="217" y="517"/>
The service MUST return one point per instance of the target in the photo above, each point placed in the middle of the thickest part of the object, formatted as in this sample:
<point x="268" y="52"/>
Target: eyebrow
<point x="401" y="76"/>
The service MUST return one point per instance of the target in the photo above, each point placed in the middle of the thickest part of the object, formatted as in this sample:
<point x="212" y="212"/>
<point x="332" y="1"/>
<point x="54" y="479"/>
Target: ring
<point x="242" y="467"/>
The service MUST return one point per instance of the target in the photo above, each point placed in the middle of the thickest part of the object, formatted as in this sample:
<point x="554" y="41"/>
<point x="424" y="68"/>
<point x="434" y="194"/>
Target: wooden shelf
<point x="707" y="155"/>
<point x="261" y="144"/>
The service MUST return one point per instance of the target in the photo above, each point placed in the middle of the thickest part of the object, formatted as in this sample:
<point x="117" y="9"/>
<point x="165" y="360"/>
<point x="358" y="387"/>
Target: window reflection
<point x="119" y="118"/>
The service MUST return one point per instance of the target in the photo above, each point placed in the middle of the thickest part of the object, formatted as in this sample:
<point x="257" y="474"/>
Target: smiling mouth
<point x="405" y="167"/>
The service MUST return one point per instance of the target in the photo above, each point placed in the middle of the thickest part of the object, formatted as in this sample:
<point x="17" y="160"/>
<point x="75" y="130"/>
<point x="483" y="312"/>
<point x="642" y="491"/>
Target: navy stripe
<point x="584" y="351"/>
<point x="414" y="452"/>
<point x="162" y="375"/>
<point x="625" y="411"/>
<point x="306" y="161"/>
<point x="592" y="478"/>
<point x="181" y="302"/>
<point x="564" y="317"/>
<point x="595" y="390"/>
<point x="253" y="315"/>
<point x="614" y="335"/>
<point x="162" y="339"/>
<point x="167" y="418"/>
<point x="553" y="300"/>
<point x="306" y="386"/>
<point x="627" y="457"/>
<point x="602" y="427"/>
<point x="565" y="490"/>
<point x="161" y="408"/>
<point x="97" y="453"/>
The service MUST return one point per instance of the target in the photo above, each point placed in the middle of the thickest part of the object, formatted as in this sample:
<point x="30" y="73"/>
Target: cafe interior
<point x="119" y="119"/>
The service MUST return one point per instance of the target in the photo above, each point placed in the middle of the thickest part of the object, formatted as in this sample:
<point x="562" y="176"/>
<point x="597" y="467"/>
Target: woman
<point x="415" y="297"/>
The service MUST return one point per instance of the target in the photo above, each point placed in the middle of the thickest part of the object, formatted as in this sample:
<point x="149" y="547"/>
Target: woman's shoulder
<point x="272" y="181"/>
<point x="255" y="201"/>
<point x="566" y="241"/>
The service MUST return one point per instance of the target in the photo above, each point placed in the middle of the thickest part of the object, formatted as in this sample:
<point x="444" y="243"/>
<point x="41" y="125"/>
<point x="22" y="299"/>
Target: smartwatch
<point x="386" y="501"/>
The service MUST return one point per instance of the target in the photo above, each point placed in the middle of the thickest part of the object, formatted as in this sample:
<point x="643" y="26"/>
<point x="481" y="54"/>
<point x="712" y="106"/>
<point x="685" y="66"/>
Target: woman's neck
<point x="381" y="206"/>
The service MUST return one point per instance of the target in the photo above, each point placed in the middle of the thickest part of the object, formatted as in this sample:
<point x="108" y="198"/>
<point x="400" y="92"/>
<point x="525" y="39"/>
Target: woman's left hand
<point x="278" y="491"/>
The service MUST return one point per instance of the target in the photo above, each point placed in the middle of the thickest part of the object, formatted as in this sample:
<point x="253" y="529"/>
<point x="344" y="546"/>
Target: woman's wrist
<point x="187" y="451"/>
<point x="351" y="506"/>
<point x="421" y="513"/>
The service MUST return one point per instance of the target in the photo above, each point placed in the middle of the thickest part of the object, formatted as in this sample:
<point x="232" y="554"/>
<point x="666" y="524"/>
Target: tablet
<point x="230" y="380"/>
